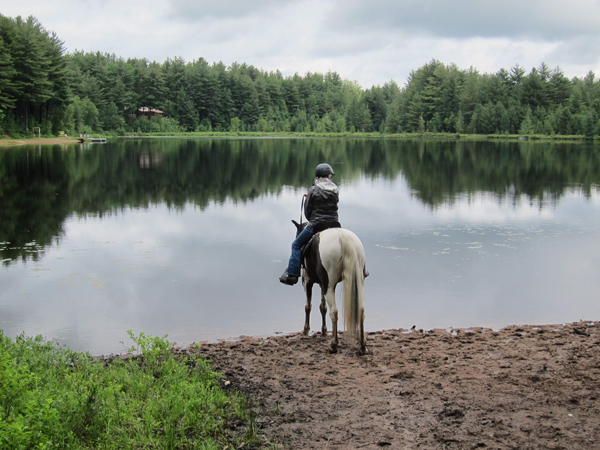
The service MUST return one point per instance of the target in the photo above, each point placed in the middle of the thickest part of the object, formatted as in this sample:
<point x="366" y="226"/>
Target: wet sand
<point x="523" y="387"/>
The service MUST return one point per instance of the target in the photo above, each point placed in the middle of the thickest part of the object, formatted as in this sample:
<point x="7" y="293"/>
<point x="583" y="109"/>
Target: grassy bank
<point x="6" y="142"/>
<point x="52" y="397"/>
<point x="251" y="134"/>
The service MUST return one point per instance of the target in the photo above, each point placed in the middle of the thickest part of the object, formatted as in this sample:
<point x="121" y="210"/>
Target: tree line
<point x="41" y="85"/>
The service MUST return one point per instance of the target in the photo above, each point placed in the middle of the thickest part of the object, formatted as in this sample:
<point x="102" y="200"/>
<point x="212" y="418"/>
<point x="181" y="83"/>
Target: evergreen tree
<point x="112" y="118"/>
<point x="414" y="115"/>
<point x="435" y="123"/>
<point x="7" y="72"/>
<point x="421" y="126"/>
<point x="28" y="52"/>
<point x="393" y="124"/>
<point x="362" y="119"/>
<point x="590" y="123"/>
<point x="505" y="122"/>
<point x="527" y="124"/>
<point x="559" y="88"/>
<point x="186" y="111"/>
<point x="460" y="123"/>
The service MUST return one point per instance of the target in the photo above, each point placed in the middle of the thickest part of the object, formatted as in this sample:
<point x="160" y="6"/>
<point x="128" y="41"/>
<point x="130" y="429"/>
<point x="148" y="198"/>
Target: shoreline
<point x="37" y="141"/>
<point x="523" y="386"/>
<point x="293" y="135"/>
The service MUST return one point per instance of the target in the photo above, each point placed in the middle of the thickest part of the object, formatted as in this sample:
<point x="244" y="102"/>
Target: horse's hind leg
<point x="308" y="285"/>
<point x="333" y="315"/>
<point x="323" y="309"/>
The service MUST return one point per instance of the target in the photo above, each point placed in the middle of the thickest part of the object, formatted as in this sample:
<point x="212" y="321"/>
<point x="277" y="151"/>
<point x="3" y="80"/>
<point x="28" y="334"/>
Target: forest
<point x="42" y="85"/>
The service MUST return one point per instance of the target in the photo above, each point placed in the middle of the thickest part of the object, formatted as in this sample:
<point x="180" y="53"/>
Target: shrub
<point x="52" y="397"/>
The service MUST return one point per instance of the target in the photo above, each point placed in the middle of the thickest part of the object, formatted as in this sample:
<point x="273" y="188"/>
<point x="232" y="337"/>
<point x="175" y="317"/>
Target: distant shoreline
<point x="292" y="135"/>
<point x="357" y="135"/>
<point x="37" y="141"/>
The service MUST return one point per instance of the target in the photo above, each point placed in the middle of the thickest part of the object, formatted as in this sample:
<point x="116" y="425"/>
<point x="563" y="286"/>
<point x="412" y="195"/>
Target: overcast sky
<point x="367" y="41"/>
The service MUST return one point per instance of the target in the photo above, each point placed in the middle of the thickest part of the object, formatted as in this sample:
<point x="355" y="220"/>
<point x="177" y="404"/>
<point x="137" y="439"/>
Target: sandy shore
<point x="37" y="141"/>
<point x="523" y="387"/>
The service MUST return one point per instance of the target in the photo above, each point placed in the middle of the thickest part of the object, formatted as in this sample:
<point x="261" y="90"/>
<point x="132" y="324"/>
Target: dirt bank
<point x="36" y="141"/>
<point x="524" y="387"/>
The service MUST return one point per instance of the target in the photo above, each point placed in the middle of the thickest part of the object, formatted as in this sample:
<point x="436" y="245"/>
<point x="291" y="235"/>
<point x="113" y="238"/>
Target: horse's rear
<point x="337" y="255"/>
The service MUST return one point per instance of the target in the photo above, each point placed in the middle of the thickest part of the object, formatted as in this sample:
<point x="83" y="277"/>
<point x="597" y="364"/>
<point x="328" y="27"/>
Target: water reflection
<point x="40" y="189"/>
<point x="187" y="238"/>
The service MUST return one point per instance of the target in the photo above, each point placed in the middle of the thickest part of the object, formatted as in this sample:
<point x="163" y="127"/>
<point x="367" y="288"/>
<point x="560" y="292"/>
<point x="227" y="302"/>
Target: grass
<point x="291" y="134"/>
<point x="54" y="398"/>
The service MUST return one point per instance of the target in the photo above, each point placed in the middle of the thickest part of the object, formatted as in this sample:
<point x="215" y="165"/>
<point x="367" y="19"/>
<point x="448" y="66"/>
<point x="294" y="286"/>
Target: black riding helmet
<point x="323" y="171"/>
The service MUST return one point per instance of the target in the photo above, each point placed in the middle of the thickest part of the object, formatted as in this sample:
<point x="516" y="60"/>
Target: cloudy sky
<point x="367" y="41"/>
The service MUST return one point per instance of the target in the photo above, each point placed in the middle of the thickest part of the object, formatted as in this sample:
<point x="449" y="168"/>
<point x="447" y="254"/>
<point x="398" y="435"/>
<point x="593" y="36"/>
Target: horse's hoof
<point x="362" y="351"/>
<point x="305" y="332"/>
<point x="332" y="349"/>
<point x="324" y="332"/>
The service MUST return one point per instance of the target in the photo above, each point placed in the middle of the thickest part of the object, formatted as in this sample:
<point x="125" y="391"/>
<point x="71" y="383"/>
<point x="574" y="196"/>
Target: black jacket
<point x="321" y="203"/>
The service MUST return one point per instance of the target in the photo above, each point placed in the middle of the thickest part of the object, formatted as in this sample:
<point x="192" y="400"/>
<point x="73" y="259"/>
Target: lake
<point x="188" y="237"/>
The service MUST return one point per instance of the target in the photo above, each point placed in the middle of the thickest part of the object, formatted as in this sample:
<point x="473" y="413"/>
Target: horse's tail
<point x="353" y="284"/>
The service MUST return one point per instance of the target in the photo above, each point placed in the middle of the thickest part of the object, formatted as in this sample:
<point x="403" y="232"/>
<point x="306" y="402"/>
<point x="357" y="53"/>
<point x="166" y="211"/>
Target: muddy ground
<point x="521" y="387"/>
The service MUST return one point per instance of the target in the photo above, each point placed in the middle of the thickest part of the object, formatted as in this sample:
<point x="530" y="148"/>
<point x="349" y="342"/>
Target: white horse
<point x="335" y="255"/>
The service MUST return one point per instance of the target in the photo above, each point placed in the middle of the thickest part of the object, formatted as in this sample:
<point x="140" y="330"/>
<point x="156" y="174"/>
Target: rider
<point x="321" y="210"/>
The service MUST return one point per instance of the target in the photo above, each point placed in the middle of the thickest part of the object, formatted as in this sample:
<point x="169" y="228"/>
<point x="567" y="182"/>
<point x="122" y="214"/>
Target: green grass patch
<point x="54" y="398"/>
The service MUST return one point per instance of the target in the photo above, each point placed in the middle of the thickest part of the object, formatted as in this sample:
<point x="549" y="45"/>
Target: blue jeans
<point x="300" y="241"/>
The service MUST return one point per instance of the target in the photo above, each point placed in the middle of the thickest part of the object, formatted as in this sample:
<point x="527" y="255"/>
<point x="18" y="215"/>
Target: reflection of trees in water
<point x="40" y="189"/>
<point x="541" y="172"/>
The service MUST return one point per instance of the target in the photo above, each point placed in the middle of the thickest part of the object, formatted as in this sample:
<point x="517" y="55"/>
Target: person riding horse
<point x="321" y="210"/>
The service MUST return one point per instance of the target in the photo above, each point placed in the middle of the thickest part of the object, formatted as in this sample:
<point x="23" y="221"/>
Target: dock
<point x="91" y="140"/>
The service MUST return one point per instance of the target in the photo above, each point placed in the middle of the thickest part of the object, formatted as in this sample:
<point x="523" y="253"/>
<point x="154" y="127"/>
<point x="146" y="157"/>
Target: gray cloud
<point x="535" y="19"/>
<point x="579" y="50"/>
<point x="371" y="41"/>
<point x="194" y="10"/>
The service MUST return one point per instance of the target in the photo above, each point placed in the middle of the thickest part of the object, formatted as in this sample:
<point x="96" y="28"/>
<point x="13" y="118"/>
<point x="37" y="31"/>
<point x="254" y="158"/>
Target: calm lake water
<point x="188" y="237"/>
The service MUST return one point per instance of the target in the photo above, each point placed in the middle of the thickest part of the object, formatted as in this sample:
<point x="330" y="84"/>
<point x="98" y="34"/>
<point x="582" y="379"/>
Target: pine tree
<point x="460" y="123"/>
<point x="393" y="117"/>
<point x="527" y="124"/>
<point x="414" y="113"/>
<point x="590" y="123"/>
<point x="7" y="72"/>
<point x="112" y="119"/>
<point x="363" y="118"/>
<point x="251" y="111"/>
<point x="421" y="127"/>
<point x="186" y="111"/>
<point x="28" y="51"/>
<point x="505" y="122"/>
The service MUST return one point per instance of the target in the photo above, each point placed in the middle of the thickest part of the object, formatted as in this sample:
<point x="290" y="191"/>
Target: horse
<point x="332" y="256"/>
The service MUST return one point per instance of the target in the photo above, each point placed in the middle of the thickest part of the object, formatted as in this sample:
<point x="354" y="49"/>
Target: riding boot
<point x="290" y="280"/>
